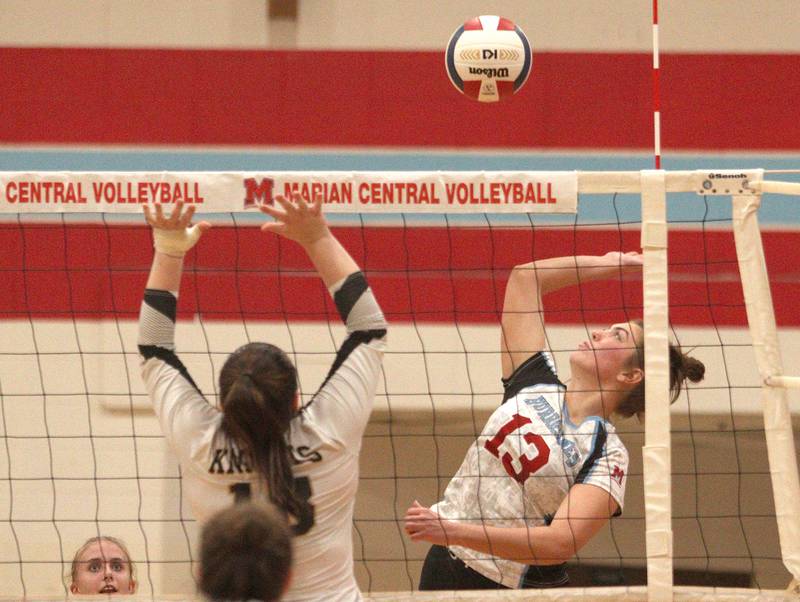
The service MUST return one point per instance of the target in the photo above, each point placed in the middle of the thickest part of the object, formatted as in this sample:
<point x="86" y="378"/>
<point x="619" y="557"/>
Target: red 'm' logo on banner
<point x="258" y="192"/>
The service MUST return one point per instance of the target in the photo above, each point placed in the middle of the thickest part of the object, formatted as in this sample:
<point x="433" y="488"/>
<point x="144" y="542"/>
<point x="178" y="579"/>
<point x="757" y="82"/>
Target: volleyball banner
<point x="343" y="192"/>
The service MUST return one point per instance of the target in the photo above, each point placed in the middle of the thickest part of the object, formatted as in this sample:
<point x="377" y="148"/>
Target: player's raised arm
<point x="343" y="403"/>
<point x="173" y="236"/>
<point x="169" y="385"/>
<point x="522" y="332"/>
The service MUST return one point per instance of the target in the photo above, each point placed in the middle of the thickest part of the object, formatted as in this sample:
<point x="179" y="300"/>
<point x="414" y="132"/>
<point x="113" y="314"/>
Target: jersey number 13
<point x="534" y="457"/>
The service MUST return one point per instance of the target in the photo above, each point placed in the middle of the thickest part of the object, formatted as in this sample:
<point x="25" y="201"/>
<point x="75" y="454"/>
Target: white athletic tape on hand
<point x="175" y="242"/>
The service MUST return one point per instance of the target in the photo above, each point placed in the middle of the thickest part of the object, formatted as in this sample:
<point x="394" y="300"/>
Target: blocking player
<point x="262" y="443"/>
<point x="548" y="470"/>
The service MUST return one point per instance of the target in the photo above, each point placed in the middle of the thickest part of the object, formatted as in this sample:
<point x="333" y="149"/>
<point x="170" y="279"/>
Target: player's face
<point x="609" y="351"/>
<point x="103" y="568"/>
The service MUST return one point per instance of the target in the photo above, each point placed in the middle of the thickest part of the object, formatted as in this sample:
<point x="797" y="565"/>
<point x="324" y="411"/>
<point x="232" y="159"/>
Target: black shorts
<point x="443" y="571"/>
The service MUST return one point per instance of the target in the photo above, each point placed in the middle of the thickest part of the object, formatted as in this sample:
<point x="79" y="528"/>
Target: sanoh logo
<point x="727" y="176"/>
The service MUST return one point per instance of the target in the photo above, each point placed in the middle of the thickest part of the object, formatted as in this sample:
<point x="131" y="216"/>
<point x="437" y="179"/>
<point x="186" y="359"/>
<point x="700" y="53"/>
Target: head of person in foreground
<point x="245" y="553"/>
<point x="102" y="565"/>
<point x="612" y="362"/>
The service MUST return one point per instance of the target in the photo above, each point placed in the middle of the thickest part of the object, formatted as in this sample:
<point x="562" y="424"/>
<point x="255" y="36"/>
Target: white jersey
<point x="527" y="457"/>
<point x="325" y="439"/>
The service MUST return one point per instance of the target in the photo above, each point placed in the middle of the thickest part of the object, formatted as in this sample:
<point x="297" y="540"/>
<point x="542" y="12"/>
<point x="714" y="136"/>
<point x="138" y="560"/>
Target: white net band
<point x="344" y="192"/>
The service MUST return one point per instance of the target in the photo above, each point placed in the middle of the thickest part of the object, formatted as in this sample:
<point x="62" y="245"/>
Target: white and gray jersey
<point x="325" y="437"/>
<point x="522" y="466"/>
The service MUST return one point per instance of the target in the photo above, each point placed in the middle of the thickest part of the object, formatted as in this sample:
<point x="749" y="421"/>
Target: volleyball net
<point x="712" y="497"/>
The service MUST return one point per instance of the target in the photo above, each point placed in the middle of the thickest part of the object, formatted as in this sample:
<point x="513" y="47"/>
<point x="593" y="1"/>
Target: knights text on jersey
<point x="527" y="457"/>
<point x="325" y="439"/>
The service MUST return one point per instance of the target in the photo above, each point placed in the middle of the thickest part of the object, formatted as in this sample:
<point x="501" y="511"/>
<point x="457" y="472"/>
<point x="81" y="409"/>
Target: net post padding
<point x="656" y="450"/>
<point x="777" y="417"/>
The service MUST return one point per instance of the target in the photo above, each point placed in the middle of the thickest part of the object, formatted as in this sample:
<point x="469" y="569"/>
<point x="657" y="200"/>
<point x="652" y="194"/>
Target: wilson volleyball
<point x="488" y="58"/>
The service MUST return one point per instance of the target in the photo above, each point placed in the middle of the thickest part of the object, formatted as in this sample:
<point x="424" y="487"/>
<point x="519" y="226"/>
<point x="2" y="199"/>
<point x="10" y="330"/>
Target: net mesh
<point x="82" y="454"/>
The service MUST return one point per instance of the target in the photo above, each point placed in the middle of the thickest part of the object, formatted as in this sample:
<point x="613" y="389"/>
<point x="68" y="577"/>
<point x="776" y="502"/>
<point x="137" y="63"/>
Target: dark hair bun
<point x="681" y="368"/>
<point x="693" y="368"/>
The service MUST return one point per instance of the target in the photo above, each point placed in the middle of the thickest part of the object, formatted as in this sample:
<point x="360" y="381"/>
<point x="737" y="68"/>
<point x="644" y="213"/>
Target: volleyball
<point x="488" y="58"/>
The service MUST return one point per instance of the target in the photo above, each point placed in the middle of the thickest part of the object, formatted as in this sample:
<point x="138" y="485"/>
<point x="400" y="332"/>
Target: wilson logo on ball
<point x="491" y="72"/>
<point x="488" y="58"/>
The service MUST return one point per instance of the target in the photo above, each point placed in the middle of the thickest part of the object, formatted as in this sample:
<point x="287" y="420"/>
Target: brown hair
<point x="245" y="553"/>
<point x="98" y="539"/>
<point x="681" y="368"/>
<point x="257" y="386"/>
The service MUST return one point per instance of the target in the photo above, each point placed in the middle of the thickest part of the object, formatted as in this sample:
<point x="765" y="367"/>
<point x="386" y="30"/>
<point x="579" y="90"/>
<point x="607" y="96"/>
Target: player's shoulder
<point x="613" y="444"/>
<point x="538" y="370"/>
<point x="597" y="435"/>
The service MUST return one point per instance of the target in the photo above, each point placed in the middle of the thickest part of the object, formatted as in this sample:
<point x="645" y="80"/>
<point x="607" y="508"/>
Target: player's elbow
<point x="523" y="277"/>
<point x="563" y="545"/>
<point x="546" y="546"/>
<point x="565" y="550"/>
<point x="552" y="553"/>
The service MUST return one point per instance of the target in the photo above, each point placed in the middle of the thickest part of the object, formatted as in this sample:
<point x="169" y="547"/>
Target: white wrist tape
<point x="175" y="242"/>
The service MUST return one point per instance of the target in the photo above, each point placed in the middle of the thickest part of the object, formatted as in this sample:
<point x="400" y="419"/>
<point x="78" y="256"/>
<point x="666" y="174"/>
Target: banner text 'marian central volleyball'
<point x="343" y="192"/>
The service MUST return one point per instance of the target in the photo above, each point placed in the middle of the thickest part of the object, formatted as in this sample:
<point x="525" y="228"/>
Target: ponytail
<point x="258" y="384"/>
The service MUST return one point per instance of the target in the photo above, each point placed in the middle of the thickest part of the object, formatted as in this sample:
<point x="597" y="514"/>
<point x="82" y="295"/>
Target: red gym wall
<point x="710" y="102"/>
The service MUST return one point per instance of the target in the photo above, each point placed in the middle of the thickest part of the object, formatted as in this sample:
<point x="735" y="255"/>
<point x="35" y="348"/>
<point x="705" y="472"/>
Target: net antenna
<point x="505" y="193"/>
<point x="656" y="92"/>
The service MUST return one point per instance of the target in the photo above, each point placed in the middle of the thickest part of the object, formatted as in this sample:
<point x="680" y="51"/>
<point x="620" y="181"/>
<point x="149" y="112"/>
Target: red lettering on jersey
<point x="528" y="465"/>
<point x="617" y="474"/>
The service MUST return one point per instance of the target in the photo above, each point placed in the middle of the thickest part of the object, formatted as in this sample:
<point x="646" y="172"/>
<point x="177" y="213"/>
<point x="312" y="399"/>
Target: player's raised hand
<point x="173" y="234"/>
<point x="297" y="219"/>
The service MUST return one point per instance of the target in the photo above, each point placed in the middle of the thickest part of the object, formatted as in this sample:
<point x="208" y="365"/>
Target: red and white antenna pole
<point x="656" y="92"/>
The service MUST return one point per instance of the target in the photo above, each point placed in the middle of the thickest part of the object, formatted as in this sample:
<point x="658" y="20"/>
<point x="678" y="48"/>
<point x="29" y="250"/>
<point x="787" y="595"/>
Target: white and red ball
<point x="488" y="58"/>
